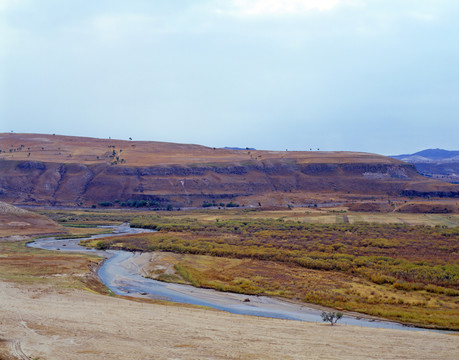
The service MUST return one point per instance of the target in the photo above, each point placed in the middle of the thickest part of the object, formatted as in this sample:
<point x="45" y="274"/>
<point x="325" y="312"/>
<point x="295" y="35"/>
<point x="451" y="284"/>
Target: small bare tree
<point x="331" y="317"/>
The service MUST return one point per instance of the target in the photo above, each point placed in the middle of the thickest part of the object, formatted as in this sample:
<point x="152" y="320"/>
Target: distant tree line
<point x="214" y="204"/>
<point x="133" y="204"/>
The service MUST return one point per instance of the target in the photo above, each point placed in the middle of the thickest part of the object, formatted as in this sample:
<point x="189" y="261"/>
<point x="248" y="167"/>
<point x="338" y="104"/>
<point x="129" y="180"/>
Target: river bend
<point x="121" y="274"/>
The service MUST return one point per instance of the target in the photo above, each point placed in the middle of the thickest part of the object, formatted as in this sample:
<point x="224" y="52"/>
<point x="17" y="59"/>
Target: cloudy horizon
<point x="373" y="76"/>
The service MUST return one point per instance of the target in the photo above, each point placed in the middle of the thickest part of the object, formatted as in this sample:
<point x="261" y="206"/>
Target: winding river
<point x="121" y="274"/>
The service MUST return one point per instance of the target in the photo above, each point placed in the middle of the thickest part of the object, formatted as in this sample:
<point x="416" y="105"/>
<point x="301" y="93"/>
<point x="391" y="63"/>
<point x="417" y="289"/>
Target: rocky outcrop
<point x="75" y="171"/>
<point x="47" y="183"/>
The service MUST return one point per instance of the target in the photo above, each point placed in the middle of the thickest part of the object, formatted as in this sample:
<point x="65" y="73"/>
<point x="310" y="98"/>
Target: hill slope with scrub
<point x="38" y="169"/>
<point x="16" y="223"/>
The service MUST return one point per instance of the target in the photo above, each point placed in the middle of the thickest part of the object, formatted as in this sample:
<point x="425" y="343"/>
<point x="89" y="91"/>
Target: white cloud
<point x="254" y="8"/>
<point x="425" y="17"/>
<point x="113" y="27"/>
<point x="11" y="4"/>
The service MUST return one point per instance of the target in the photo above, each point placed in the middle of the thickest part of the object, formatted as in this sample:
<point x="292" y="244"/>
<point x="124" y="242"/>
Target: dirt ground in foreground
<point x="43" y="323"/>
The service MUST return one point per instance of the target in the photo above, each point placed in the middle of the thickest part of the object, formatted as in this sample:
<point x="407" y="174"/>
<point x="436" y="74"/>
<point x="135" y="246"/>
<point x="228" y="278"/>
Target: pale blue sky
<point x="366" y="75"/>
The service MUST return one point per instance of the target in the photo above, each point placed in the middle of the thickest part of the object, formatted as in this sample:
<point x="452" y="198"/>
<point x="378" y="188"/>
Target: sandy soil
<point x="40" y="322"/>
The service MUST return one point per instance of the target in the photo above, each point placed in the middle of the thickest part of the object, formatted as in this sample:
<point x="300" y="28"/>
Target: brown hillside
<point x="80" y="150"/>
<point x="65" y="170"/>
<point x="15" y="221"/>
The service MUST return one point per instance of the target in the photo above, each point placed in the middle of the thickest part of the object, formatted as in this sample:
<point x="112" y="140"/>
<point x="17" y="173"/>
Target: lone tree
<point x="331" y="317"/>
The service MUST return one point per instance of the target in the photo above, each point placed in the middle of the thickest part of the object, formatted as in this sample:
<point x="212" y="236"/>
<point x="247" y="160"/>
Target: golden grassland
<point x="25" y="265"/>
<point x="325" y="216"/>
<point x="374" y="263"/>
<point x="72" y="149"/>
<point x="52" y="322"/>
<point x="19" y="222"/>
<point x="329" y="288"/>
<point x="334" y="215"/>
<point x="403" y="272"/>
<point x="84" y="231"/>
<point x="90" y="218"/>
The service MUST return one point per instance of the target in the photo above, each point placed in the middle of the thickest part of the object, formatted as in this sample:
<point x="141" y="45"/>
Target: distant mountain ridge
<point x="435" y="163"/>
<point x="435" y="155"/>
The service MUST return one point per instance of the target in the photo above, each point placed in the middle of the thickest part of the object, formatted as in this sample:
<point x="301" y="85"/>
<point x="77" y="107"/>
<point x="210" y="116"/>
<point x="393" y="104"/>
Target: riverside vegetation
<point x="396" y="271"/>
<point x="25" y="265"/>
<point x="34" y="287"/>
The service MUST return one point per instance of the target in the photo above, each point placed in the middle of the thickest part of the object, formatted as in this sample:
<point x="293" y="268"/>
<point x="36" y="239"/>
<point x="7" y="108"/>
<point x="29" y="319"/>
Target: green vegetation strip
<point x="416" y="265"/>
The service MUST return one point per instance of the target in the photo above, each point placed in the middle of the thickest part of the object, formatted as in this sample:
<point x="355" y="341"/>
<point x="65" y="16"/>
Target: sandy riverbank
<point x="149" y="263"/>
<point x="45" y="323"/>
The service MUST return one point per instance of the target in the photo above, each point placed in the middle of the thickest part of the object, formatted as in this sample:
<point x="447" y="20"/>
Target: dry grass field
<point x="330" y="215"/>
<point x="16" y="222"/>
<point x="42" y="322"/>
<point x="70" y="149"/>
<point x="397" y="266"/>
<point x="52" y="308"/>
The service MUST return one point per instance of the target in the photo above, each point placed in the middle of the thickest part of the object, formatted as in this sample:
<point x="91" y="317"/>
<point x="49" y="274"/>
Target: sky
<point x="378" y="76"/>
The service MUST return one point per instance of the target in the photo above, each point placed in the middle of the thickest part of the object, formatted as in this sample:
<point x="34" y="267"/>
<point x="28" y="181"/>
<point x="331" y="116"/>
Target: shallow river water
<point x="121" y="274"/>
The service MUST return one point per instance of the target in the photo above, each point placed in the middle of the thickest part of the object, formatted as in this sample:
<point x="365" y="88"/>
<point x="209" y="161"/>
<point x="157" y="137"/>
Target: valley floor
<point x="41" y="322"/>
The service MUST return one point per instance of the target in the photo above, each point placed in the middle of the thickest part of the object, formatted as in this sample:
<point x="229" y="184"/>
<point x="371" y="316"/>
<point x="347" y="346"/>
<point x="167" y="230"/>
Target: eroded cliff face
<point x="45" y="169"/>
<point x="49" y="183"/>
